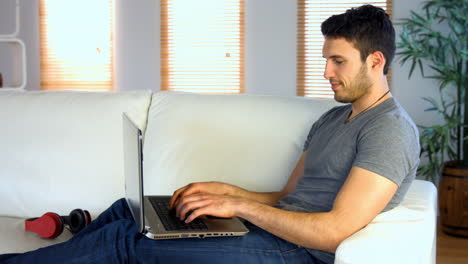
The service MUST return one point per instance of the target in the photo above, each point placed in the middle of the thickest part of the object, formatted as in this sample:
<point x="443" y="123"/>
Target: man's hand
<point x="201" y="187"/>
<point x="198" y="204"/>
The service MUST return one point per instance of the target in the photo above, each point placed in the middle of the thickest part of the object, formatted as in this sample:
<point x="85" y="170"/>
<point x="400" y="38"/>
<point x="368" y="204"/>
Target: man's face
<point x="347" y="74"/>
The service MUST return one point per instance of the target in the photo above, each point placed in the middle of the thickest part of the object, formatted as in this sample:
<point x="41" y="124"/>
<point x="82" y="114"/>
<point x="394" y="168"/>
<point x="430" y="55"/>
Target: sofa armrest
<point x="405" y="234"/>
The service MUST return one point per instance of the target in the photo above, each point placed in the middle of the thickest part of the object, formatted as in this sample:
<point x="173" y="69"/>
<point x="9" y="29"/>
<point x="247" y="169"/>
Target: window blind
<point x="202" y="46"/>
<point x="76" y="45"/>
<point x="310" y="63"/>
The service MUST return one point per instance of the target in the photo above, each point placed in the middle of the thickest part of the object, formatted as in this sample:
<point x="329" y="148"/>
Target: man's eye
<point x="338" y="62"/>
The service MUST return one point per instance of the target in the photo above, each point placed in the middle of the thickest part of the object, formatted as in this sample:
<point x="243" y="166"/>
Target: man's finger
<point x="193" y="205"/>
<point x="183" y="192"/>
<point x="181" y="203"/>
<point x="174" y="198"/>
<point x="196" y="213"/>
<point x="179" y="193"/>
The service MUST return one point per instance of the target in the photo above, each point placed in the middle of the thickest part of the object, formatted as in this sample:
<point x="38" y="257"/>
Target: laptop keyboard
<point x="169" y="219"/>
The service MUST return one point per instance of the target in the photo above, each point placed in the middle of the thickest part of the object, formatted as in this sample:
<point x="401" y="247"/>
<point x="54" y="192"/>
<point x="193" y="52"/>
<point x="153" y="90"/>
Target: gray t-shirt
<point x="383" y="140"/>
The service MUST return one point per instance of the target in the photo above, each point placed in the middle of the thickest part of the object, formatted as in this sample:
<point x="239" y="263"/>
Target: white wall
<point x="270" y="44"/>
<point x="137" y="45"/>
<point x="270" y="50"/>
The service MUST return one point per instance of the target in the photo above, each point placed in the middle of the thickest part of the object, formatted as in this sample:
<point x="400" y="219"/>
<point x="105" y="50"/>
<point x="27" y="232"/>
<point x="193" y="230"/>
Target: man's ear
<point x="377" y="61"/>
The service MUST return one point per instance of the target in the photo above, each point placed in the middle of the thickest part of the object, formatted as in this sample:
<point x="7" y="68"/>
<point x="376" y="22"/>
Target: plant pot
<point x="453" y="199"/>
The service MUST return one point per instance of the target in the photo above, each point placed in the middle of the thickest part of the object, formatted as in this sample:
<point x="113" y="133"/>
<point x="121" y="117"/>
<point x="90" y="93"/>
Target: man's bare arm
<point x="362" y="197"/>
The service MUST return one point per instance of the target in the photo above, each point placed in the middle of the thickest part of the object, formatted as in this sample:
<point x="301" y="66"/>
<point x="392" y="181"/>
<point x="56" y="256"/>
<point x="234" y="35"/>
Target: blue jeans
<point x="113" y="238"/>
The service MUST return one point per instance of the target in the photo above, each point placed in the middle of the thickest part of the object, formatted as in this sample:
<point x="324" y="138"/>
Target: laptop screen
<point x="133" y="169"/>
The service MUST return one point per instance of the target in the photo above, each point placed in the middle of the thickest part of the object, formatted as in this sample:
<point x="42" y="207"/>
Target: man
<point x="359" y="160"/>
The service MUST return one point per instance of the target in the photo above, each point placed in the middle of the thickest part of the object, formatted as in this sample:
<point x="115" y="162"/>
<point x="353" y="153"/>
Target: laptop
<point x="152" y="215"/>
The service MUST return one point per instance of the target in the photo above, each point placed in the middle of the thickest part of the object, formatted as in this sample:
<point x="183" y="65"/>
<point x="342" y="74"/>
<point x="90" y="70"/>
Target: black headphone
<point x="50" y="225"/>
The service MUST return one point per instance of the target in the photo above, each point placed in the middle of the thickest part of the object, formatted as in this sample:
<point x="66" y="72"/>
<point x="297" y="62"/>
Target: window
<point x="310" y="66"/>
<point x="202" y="46"/>
<point x="76" y="45"/>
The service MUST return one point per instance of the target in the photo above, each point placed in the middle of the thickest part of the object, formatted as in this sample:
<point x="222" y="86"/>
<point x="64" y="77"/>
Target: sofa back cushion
<point x="252" y="141"/>
<point x="63" y="150"/>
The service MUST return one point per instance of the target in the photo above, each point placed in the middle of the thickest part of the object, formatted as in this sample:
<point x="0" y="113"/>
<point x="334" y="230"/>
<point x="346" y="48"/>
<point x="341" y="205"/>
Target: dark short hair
<point x="368" y="27"/>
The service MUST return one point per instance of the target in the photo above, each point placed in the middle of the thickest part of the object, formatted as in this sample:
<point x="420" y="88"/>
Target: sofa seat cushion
<point x="14" y="239"/>
<point x="409" y="231"/>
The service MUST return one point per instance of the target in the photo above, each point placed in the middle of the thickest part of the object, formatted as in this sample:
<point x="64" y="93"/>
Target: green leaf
<point x="464" y="54"/>
<point x="430" y="109"/>
<point x="432" y="101"/>
<point x="413" y="64"/>
<point x="438" y="69"/>
<point x="421" y="67"/>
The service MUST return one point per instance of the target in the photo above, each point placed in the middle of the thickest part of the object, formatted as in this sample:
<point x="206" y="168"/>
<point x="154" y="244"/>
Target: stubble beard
<point x="356" y="89"/>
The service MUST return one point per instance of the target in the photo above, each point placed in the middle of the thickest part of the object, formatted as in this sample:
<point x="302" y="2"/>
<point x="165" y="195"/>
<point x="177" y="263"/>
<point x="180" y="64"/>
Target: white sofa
<point x="63" y="150"/>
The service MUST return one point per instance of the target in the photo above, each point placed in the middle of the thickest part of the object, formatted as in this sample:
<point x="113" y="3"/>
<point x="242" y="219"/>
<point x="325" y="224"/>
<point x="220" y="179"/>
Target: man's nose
<point x="328" y="73"/>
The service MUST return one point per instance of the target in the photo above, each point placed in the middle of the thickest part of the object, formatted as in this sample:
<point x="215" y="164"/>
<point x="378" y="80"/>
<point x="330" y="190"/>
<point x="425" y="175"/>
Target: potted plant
<point x="436" y="41"/>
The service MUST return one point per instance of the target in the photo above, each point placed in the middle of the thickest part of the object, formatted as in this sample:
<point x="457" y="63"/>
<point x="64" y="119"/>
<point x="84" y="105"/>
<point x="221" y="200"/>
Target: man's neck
<point x="377" y="94"/>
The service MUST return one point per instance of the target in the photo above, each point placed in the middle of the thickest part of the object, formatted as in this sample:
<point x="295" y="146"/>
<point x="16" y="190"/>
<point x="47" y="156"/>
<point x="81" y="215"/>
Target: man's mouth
<point x="335" y="85"/>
